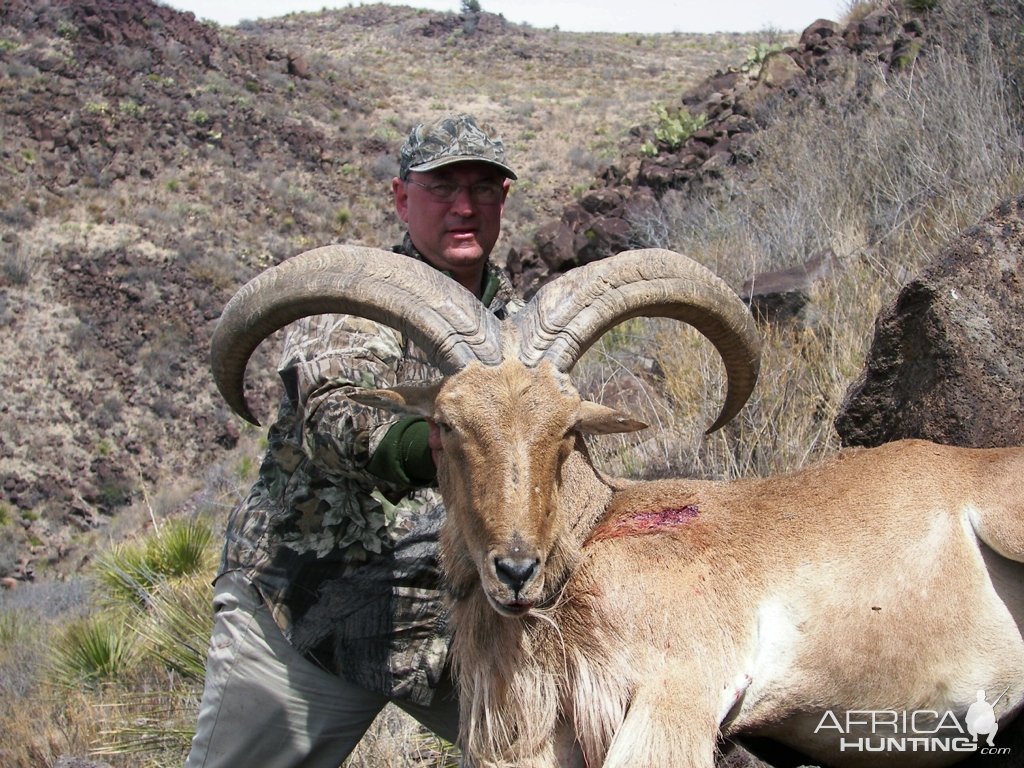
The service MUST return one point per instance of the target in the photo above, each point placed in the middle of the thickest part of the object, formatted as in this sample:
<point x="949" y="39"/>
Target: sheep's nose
<point x="515" y="572"/>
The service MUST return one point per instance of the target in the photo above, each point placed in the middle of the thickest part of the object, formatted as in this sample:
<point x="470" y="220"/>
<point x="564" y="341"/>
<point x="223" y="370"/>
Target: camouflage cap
<point x="452" y="139"/>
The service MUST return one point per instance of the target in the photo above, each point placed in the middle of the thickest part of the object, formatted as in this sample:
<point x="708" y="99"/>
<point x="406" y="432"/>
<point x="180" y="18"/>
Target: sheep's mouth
<point x="515" y="601"/>
<point x="510" y="604"/>
<point x="514" y="609"/>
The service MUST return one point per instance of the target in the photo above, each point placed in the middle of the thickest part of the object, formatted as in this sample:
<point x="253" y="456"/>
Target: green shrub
<point x="131" y="572"/>
<point x="66" y="29"/>
<point x="130" y="108"/>
<point x="673" y="130"/>
<point x="95" y="649"/>
<point x="178" y="625"/>
<point x="116" y="492"/>
<point x="757" y="55"/>
<point x="182" y="548"/>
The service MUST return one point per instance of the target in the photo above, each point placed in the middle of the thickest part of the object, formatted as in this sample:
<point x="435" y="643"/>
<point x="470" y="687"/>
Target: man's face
<point x="455" y="235"/>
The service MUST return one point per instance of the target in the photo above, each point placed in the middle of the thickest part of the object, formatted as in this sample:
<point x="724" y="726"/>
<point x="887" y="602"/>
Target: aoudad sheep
<point x="852" y="612"/>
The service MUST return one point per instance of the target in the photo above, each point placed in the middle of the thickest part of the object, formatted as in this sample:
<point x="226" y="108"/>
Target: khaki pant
<point x="265" y="705"/>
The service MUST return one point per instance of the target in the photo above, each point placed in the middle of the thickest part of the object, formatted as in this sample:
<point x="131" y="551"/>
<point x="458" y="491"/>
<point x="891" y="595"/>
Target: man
<point x="328" y="602"/>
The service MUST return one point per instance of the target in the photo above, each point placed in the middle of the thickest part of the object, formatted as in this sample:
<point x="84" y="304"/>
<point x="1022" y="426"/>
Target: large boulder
<point x="947" y="359"/>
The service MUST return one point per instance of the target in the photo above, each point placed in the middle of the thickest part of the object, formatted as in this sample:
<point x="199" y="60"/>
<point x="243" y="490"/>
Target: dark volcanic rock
<point x="947" y="360"/>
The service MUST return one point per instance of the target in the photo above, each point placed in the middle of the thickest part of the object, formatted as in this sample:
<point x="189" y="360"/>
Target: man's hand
<point x="434" y="441"/>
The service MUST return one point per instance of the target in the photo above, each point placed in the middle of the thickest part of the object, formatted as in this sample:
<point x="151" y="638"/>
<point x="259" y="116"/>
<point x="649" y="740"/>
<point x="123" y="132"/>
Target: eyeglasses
<point x="482" y="193"/>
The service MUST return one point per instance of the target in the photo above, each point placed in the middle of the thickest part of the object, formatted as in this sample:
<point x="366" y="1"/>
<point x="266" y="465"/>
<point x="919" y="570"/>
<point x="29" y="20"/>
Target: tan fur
<point x="741" y="608"/>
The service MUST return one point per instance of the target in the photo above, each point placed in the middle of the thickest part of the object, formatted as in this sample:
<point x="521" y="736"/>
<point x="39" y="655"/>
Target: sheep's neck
<point x="583" y="495"/>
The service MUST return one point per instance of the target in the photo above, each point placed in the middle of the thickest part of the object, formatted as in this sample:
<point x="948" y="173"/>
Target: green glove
<point x="403" y="456"/>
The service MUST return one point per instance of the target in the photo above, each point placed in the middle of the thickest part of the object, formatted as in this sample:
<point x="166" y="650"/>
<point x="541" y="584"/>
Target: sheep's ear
<point x="596" y="419"/>
<point x="410" y="399"/>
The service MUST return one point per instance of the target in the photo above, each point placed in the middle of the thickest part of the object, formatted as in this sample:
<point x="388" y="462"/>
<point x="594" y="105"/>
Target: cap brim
<point x="440" y="162"/>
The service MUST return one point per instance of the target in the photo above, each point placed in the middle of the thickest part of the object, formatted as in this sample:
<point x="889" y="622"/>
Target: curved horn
<point x="439" y="315"/>
<point x="569" y="314"/>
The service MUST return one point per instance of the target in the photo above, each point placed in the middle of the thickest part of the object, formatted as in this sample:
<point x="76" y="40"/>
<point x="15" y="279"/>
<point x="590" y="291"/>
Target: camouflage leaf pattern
<point x="347" y="562"/>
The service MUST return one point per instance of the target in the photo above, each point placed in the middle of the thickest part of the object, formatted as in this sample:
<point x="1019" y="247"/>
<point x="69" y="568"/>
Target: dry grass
<point x="883" y="177"/>
<point x="62" y="693"/>
<point x="894" y="168"/>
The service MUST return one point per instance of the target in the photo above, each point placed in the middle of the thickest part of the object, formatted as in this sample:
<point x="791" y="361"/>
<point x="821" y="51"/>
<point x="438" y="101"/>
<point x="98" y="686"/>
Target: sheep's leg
<point x="1000" y="529"/>
<point x="653" y="735"/>
<point x="995" y="511"/>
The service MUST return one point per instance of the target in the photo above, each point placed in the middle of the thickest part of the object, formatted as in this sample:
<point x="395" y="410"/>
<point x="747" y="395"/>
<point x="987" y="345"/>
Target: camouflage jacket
<point x="339" y="532"/>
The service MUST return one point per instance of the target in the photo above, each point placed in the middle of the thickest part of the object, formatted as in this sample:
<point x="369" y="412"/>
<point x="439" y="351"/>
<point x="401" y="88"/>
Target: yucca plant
<point x="161" y="585"/>
<point x="125" y="575"/>
<point x="177" y="626"/>
<point x="96" y="649"/>
<point x="131" y="572"/>
<point x="181" y="548"/>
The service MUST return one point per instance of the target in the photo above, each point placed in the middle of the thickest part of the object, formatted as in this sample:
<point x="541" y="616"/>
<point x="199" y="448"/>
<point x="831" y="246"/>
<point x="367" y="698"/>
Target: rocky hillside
<point x="153" y="163"/>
